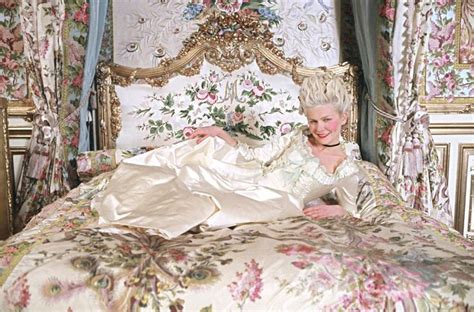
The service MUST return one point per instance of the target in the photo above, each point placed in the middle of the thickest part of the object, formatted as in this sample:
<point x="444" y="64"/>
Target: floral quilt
<point x="392" y="258"/>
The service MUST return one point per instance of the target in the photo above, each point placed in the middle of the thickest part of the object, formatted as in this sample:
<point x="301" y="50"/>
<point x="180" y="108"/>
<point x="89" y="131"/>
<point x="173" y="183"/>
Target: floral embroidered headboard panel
<point x="229" y="73"/>
<point x="245" y="102"/>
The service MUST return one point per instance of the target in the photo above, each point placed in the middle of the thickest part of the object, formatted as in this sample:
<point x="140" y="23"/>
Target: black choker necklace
<point x="331" y="145"/>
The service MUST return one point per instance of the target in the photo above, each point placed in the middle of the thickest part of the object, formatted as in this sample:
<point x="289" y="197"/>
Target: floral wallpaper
<point x="147" y="32"/>
<point x="445" y="79"/>
<point x="12" y="73"/>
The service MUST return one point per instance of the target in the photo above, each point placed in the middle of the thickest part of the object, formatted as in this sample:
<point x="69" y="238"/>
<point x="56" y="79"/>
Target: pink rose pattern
<point x="414" y="184"/>
<point x="369" y="282"/>
<point x="248" y="285"/>
<point x="264" y="10"/>
<point x="187" y="131"/>
<point x="82" y="15"/>
<point x="443" y="79"/>
<point x="207" y="102"/>
<point x="386" y="83"/>
<point x="229" y="6"/>
<point x="91" y="164"/>
<point x="77" y="19"/>
<point x="12" y="74"/>
<point x="18" y="296"/>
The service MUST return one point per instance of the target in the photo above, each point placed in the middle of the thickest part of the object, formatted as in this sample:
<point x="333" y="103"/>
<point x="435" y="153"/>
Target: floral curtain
<point x="75" y="32"/>
<point x="405" y="147"/>
<point x="54" y="35"/>
<point x="43" y="176"/>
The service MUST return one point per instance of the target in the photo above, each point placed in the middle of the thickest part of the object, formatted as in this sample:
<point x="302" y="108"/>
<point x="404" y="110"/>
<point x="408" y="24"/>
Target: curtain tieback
<point x="382" y="113"/>
<point x="411" y="120"/>
<point x="414" y="124"/>
<point x="47" y="125"/>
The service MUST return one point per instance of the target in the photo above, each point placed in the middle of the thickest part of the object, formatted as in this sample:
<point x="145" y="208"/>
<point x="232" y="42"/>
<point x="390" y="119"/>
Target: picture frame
<point x="21" y="108"/>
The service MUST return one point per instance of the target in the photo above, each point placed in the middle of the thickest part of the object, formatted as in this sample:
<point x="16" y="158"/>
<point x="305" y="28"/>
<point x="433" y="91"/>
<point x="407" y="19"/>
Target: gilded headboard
<point x="228" y="43"/>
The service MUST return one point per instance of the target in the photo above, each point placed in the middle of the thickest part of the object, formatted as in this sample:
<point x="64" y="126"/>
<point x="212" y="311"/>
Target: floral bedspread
<point x="391" y="259"/>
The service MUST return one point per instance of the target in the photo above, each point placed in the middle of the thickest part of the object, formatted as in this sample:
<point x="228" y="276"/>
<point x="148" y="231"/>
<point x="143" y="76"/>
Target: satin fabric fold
<point x="174" y="188"/>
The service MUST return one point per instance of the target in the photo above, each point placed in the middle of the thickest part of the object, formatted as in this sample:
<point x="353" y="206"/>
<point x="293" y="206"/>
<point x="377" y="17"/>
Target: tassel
<point x="418" y="154"/>
<point x="408" y="159"/>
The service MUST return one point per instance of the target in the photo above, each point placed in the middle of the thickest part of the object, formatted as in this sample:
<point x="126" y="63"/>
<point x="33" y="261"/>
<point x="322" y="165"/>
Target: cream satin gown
<point x="174" y="188"/>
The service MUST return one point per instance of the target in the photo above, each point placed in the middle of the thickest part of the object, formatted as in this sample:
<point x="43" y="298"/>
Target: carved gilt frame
<point x="227" y="41"/>
<point x="452" y="128"/>
<point x="18" y="133"/>
<point x="21" y="108"/>
<point x="6" y="197"/>
<point x="24" y="109"/>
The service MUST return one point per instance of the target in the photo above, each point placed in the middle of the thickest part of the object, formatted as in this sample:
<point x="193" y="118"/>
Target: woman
<point x="217" y="181"/>
<point x="324" y="101"/>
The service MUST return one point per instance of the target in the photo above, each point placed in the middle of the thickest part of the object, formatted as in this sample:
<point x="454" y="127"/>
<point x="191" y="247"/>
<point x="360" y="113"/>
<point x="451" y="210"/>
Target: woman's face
<point x="325" y="123"/>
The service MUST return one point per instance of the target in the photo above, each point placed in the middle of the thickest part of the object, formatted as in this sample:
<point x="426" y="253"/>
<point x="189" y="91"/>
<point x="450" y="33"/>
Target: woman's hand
<point x="212" y="131"/>
<point x="322" y="211"/>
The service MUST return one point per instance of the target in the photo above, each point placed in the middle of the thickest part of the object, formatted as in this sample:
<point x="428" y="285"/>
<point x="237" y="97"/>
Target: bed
<point x="392" y="258"/>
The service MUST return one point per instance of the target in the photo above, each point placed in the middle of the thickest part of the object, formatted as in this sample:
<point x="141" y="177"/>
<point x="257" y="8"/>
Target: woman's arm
<point x="346" y="191"/>
<point x="264" y="154"/>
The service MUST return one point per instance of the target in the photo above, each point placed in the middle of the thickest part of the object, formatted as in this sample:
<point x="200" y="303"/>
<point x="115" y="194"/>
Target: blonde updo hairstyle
<point x="322" y="89"/>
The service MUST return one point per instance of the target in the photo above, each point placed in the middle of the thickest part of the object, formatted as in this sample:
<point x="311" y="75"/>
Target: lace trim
<point x="305" y="184"/>
<point x="346" y="168"/>
<point x="299" y="142"/>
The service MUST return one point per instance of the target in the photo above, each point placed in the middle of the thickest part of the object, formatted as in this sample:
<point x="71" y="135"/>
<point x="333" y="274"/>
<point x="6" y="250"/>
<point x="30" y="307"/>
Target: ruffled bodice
<point x="288" y="164"/>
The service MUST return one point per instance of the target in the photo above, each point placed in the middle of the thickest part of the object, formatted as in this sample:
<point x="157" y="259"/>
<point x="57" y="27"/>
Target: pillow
<point x="93" y="163"/>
